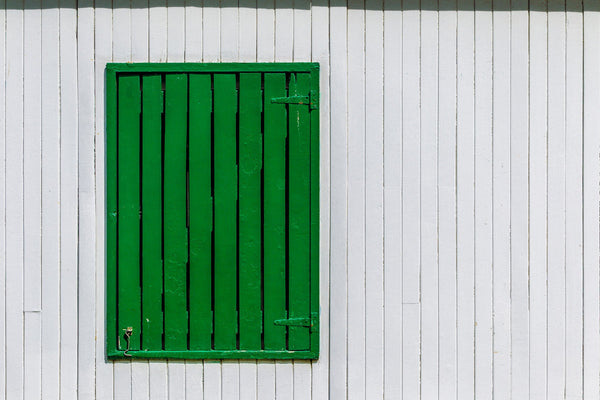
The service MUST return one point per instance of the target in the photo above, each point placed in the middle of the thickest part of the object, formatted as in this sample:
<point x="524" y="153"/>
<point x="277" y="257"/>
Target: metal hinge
<point x="312" y="322"/>
<point x="311" y="100"/>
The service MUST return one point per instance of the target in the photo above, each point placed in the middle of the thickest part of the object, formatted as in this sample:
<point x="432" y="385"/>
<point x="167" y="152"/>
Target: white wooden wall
<point x="460" y="172"/>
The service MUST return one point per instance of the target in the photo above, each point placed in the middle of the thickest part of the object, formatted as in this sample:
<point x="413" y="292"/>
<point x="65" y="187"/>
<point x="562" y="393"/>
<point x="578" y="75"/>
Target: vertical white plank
<point x="139" y="31"/>
<point x="356" y="200"/>
<point x="574" y="201"/>
<point x="230" y="379"/>
<point x="32" y="385"/>
<point x="302" y="380"/>
<point x="429" y="196"/>
<point x="122" y="53"/>
<point x="14" y="200"/>
<point x="465" y="178"/>
<point x="392" y="210"/>
<point x="247" y="30"/>
<point x="3" y="194"/>
<point x="556" y="294"/>
<point x="212" y="380"/>
<point x="68" y="199"/>
<point x="302" y="31"/>
<point x="411" y="200"/>
<point x="265" y="380"/>
<point x="122" y="380"/>
<point x="139" y="53"/>
<point x="87" y="197"/>
<point x="591" y="171"/>
<point x="194" y="380"/>
<point x="447" y="198"/>
<point x="338" y="254"/>
<point x="284" y="380"/>
<point x="320" y="54"/>
<point x="501" y="200"/>
<point x="248" y="380"/>
<point x="176" y="31"/>
<point x="157" y="371"/>
<point x="32" y="155"/>
<point x="193" y="30"/>
<point x="410" y="162"/>
<point x="102" y="54"/>
<point x="265" y="30"/>
<point x="229" y="31"/>
<point x="374" y="349"/>
<point x="176" y="372"/>
<point x="519" y="122"/>
<point x="538" y="206"/>
<point x="284" y="30"/>
<point x="483" y="201"/>
<point x="157" y="34"/>
<point x="211" y="30"/>
<point x="140" y="387"/>
<point x="32" y="207"/>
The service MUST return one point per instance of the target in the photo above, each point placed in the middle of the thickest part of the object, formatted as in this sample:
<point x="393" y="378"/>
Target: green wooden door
<point x="212" y="210"/>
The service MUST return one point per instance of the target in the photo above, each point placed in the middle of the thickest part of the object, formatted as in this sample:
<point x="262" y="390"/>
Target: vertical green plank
<point x="299" y="212"/>
<point x="111" y="211"/>
<point x="225" y="193"/>
<point x="129" y="291"/>
<point x="274" y="211"/>
<point x="175" y="196"/>
<point x="250" y="149"/>
<point x="200" y="97"/>
<point x="314" y="210"/>
<point x="152" y="272"/>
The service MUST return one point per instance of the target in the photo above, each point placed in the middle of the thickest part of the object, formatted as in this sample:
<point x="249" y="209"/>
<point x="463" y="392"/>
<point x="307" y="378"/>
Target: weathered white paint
<point x="460" y="173"/>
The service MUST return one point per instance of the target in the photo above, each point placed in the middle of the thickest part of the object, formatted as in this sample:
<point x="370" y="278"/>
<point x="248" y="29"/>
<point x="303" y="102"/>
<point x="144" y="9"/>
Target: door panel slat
<point x="274" y="218"/>
<point x="250" y="163"/>
<point x="128" y="199"/>
<point x="200" y="164"/>
<point x="175" y="194"/>
<point x="225" y="149"/>
<point x="152" y="271"/>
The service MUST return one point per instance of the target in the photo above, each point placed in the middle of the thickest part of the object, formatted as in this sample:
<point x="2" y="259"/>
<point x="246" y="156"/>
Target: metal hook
<point x="128" y="333"/>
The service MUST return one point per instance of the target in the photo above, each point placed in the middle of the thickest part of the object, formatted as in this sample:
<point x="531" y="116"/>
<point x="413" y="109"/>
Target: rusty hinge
<point x="312" y="322"/>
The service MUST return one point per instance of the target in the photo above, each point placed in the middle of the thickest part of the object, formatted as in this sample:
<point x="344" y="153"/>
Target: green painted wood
<point x="275" y="132"/>
<point x="314" y="210"/>
<point x="210" y="67"/>
<point x="152" y="270"/>
<point x="111" y="211"/>
<point x="129" y="293"/>
<point x="299" y="213"/>
<point x="175" y="218"/>
<point x="225" y="198"/>
<point x="250" y="159"/>
<point x="226" y="214"/>
<point x="200" y="97"/>
<point x="218" y="354"/>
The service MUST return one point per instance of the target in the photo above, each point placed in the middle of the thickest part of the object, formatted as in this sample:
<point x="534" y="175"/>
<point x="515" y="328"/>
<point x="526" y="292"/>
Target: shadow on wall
<point x="392" y="5"/>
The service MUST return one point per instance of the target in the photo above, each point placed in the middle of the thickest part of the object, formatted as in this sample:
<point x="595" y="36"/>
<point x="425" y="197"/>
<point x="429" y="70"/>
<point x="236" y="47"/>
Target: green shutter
<point x="212" y="211"/>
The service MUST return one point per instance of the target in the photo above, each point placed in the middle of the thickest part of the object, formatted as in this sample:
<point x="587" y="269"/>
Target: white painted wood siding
<point x="460" y="195"/>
